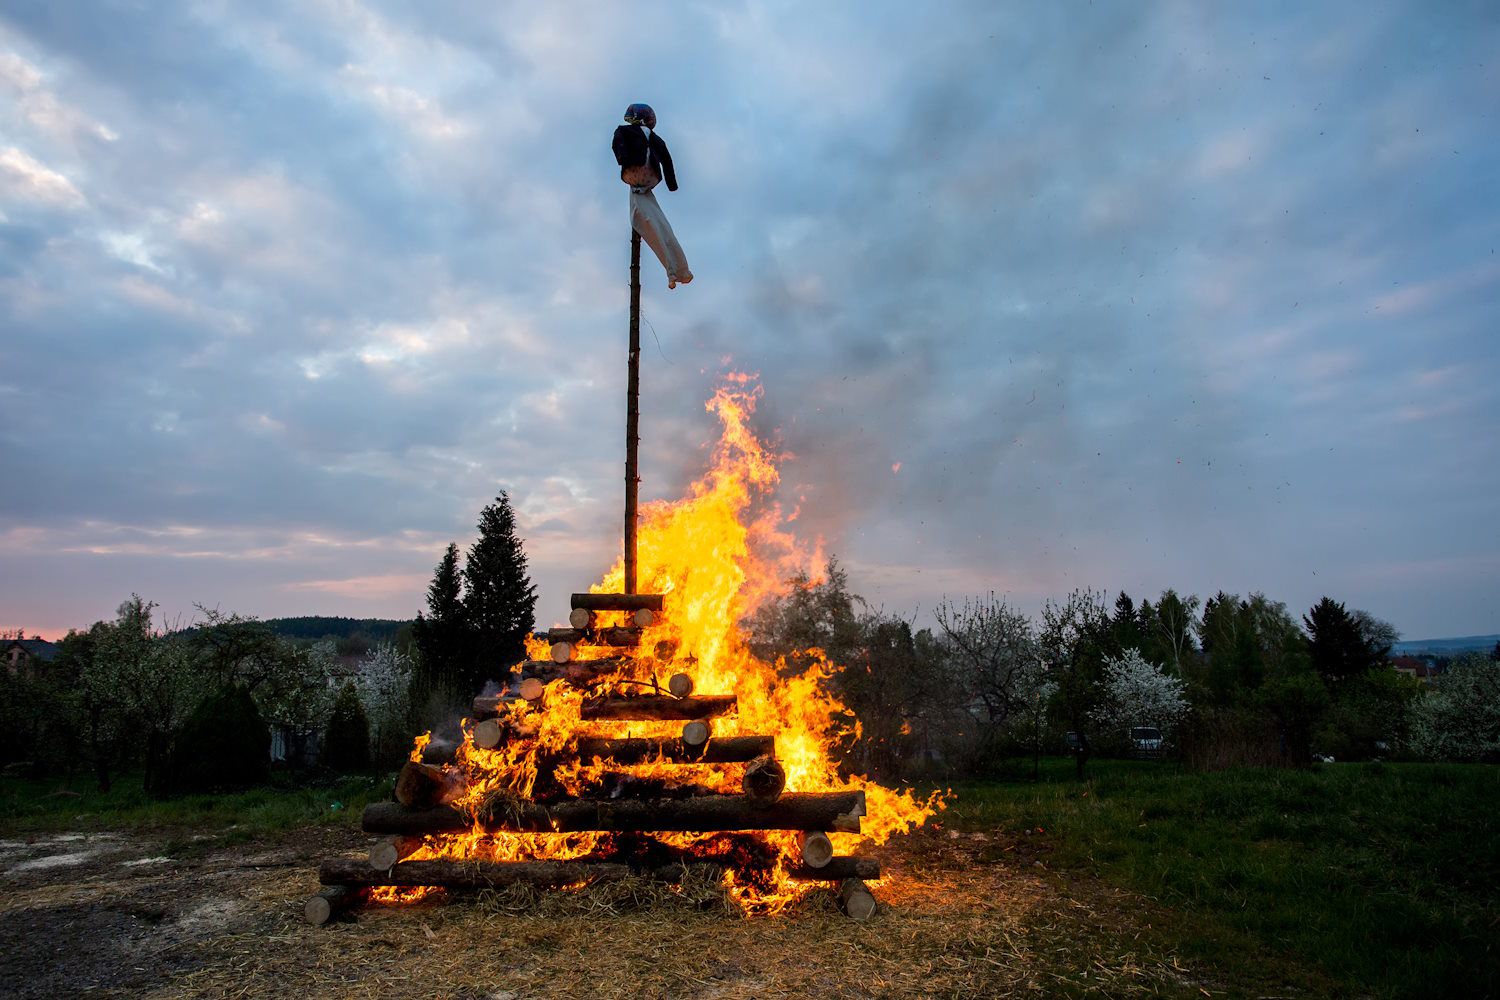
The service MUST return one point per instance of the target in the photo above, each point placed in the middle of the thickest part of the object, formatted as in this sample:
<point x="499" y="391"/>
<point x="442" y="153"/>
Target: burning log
<point x="420" y="786"/>
<point x="334" y="899"/>
<point x="680" y="685"/>
<point x="561" y="652"/>
<point x="462" y="874"/>
<point x="387" y="852"/>
<point x="816" y="848"/>
<point x="616" y="636"/>
<point x="764" y="780"/>
<point x="704" y="814"/>
<point x="439" y="752"/>
<point x="581" y="618"/>
<point x="617" y="602"/>
<point x="856" y="900"/>
<point x="643" y="618"/>
<point x="659" y="707"/>
<point x="724" y="750"/>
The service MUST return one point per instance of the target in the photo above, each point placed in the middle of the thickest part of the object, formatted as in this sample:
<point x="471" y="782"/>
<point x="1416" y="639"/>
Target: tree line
<point x="1230" y="680"/>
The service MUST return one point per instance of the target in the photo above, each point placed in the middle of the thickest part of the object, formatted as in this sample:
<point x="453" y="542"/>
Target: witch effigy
<point x="644" y="163"/>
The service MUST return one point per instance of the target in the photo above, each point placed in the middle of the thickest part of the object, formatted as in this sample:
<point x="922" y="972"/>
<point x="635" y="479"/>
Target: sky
<point x="1042" y="296"/>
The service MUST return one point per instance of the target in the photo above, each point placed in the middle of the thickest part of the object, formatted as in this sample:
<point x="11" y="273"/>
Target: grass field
<point x="1379" y="879"/>
<point x="48" y="805"/>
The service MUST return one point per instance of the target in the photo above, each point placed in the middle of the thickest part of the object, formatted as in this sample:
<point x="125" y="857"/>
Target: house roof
<point x="40" y="649"/>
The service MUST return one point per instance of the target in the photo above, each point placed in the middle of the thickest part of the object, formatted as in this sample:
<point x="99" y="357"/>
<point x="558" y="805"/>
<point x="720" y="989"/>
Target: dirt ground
<point x="110" y="915"/>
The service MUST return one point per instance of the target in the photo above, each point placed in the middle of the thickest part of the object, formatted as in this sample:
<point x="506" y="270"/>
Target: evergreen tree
<point x="442" y="635"/>
<point x="346" y="741"/>
<point x="1339" y="649"/>
<point x="500" y="599"/>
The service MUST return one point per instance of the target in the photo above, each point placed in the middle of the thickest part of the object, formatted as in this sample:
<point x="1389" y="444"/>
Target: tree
<point x="1459" y="719"/>
<point x="442" y="636"/>
<point x="812" y="614"/>
<point x="1137" y="693"/>
<point x="1167" y="629"/>
<point x="1074" y="640"/>
<point x="136" y="686"/>
<point x="224" y="744"/>
<point x="1340" y="649"/>
<point x="994" y="662"/>
<point x="384" y="682"/>
<point x="500" y="599"/>
<point x="1127" y="623"/>
<point x="346" y="741"/>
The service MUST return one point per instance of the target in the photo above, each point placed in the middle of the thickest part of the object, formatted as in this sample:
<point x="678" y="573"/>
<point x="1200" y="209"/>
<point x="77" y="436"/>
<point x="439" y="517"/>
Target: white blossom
<point x="1138" y="692"/>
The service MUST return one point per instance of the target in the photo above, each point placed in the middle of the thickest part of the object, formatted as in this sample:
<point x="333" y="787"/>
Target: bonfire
<point x="646" y="740"/>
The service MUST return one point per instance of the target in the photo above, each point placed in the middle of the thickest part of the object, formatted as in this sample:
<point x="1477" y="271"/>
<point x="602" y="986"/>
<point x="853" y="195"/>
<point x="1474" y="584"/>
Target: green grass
<point x="1379" y="879"/>
<point x="48" y="805"/>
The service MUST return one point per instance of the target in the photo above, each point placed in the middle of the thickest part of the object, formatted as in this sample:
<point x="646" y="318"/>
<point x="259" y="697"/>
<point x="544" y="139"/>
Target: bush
<point x="346" y="741"/>
<point x="224" y="744"/>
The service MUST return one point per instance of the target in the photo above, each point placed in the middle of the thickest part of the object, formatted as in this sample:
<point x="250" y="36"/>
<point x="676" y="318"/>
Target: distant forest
<point x="323" y="627"/>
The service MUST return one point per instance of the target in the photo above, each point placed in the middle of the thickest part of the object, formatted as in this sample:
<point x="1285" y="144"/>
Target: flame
<point x="717" y="554"/>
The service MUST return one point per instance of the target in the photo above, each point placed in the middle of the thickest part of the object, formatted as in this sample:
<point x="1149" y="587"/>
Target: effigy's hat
<point x="640" y="114"/>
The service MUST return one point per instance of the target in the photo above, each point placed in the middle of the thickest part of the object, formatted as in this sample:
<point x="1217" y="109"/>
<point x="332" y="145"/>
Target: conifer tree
<point x="499" y="599"/>
<point x="442" y="635"/>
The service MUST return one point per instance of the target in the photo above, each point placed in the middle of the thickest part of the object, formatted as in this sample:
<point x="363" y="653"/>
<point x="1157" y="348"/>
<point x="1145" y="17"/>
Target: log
<point x="816" y="848"/>
<point x="531" y="689"/>
<point x="439" y="752"/>
<point x="695" y="735"/>
<point x="856" y="900"/>
<point x="420" y="786"/>
<point x="836" y="870"/>
<point x="616" y="636"/>
<point x="643" y="618"/>
<point x="680" y="685"/>
<point x="764" y="780"/>
<point x="334" y="899"/>
<point x="489" y="734"/>
<point x="386" y="852"/>
<point x="720" y="750"/>
<point x="704" y="814"/>
<point x="561" y="652"/>
<point x="659" y="707"/>
<point x="581" y="618"/>
<point x="462" y="874"/>
<point x="617" y="602"/>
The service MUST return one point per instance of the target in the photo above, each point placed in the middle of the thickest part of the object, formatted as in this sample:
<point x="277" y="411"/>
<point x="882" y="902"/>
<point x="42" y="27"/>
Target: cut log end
<point x="562" y="652"/>
<point x="764" y="780"/>
<point x="856" y="900"/>
<point x="391" y="850"/>
<point x="581" y="618"/>
<point x="695" y="734"/>
<point x="681" y="685"/>
<point x="643" y="618"/>
<point x="421" y="786"/>
<point x="489" y="734"/>
<point x="334" y="899"/>
<point x="817" y="849"/>
<point x="531" y="689"/>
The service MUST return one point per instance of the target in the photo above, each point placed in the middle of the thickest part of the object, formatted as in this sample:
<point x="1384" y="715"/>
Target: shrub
<point x="346" y="741"/>
<point x="224" y="744"/>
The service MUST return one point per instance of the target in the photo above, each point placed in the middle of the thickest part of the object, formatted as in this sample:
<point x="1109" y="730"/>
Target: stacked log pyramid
<point x="423" y="788"/>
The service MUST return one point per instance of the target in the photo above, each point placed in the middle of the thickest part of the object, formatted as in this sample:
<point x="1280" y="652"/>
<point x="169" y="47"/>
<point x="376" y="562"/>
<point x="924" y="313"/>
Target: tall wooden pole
<point x="633" y="410"/>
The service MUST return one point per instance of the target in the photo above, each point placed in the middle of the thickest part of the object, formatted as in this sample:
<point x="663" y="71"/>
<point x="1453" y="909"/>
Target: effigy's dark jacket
<point x="633" y="149"/>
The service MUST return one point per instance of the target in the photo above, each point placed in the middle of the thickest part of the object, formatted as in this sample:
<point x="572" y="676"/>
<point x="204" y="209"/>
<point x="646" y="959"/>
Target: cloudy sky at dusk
<point x="1041" y="296"/>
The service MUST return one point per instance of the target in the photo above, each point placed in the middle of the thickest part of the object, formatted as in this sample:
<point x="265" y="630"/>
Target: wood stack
<point x="426" y="790"/>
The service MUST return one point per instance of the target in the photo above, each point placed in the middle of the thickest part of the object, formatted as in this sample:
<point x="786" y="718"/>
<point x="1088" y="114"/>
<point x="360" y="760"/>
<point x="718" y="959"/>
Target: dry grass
<point x="945" y="929"/>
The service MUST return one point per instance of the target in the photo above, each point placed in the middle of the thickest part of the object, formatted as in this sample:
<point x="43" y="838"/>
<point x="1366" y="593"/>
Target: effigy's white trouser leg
<point x="647" y="218"/>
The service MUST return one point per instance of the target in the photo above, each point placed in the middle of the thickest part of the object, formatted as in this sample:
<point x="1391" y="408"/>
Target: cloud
<point x="1126" y="297"/>
<point x="23" y="178"/>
